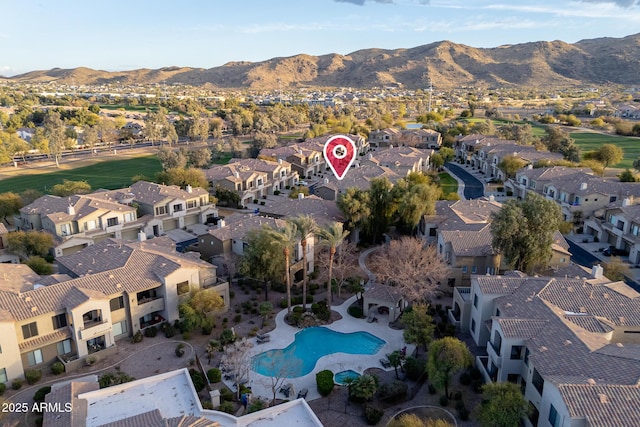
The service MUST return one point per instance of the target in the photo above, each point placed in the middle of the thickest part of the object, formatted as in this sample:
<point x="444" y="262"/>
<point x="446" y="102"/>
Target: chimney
<point x="221" y="223"/>
<point x="279" y="161"/>
<point x="71" y="210"/>
<point x="492" y="198"/>
<point x="529" y="167"/>
<point x="583" y="186"/>
<point x="626" y="202"/>
<point x="325" y="180"/>
<point x="188" y="189"/>
<point x="597" y="271"/>
<point x="300" y="196"/>
<point x="141" y="236"/>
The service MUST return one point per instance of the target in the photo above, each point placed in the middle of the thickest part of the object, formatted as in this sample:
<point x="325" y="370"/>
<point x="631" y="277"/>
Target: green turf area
<point x="448" y="183"/>
<point x="110" y="174"/>
<point x="223" y="160"/>
<point x="589" y="141"/>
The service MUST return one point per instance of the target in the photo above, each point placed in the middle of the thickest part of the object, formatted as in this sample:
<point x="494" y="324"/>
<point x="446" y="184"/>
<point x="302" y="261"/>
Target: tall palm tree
<point x="286" y="236"/>
<point x="333" y="235"/>
<point x="305" y="225"/>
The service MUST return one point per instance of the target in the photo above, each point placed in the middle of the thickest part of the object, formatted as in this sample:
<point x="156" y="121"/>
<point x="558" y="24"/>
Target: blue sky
<point x="125" y="35"/>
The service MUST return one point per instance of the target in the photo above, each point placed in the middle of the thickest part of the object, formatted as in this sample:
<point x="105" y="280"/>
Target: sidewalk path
<point x="363" y="265"/>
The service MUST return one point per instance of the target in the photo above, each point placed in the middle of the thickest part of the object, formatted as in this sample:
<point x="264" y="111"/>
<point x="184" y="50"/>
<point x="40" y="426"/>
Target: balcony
<point x="94" y="329"/>
<point x="490" y="374"/>
<point x="463" y="293"/>
<point x="494" y="354"/>
<point x="150" y="305"/>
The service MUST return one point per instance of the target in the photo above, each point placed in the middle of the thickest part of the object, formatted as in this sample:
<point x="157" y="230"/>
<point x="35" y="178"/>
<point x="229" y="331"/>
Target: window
<point x="59" y="321"/>
<point x="183" y="288"/>
<point x="537" y="381"/>
<point x="30" y="330"/>
<point x="474" y="269"/>
<point x="513" y="378"/>
<point x="112" y="221"/>
<point x="259" y="181"/>
<point x="177" y="207"/>
<point x="516" y="352"/>
<point x="90" y="225"/>
<point x="117" y="303"/>
<point x="526" y="356"/>
<point x="192" y="204"/>
<point x="34" y="357"/>
<point x="554" y="419"/>
<point x="65" y="229"/>
<point x="475" y="300"/>
<point x="120" y="328"/>
<point x="497" y="312"/>
<point x="3" y="375"/>
<point x="464" y="268"/>
<point x="161" y="210"/>
<point x="64" y="347"/>
<point x="128" y="217"/>
<point x="534" y="414"/>
<point x="473" y="325"/>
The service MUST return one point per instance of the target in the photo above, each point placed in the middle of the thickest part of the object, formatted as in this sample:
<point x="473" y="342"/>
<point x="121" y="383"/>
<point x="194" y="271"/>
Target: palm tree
<point x="333" y="234"/>
<point x="286" y="236"/>
<point x="305" y="225"/>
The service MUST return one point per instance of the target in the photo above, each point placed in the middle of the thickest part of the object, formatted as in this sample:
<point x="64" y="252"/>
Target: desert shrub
<point x="373" y="414"/>
<point x="180" y="350"/>
<point x="227" y="407"/>
<point x="237" y="318"/>
<point x="206" y="404"/>
<point x="32" y="375"/>
<point x="256" y="404"/>
<point x="444" y="400"/>
<point x="57" y="368"/>
<point x="186" y="336"/>
<point x="226" y="394"/>
<point x="3" y="387"/>
<point x="207" y="326"/>
<point x="414" y="368"/>
<point x="16" y="384"/>
<point x="324" y="380"/>
<point x="169" y="330"/>
<point x="214" y="375"/>
<point x="226" y="337"/>
<point x="355" y="312"/>
<point x="394" y="389"/>
<point x="197" y="379"/>
<point x="465" y="378"/>
<point x="110" y="379"/>
<point x="321" y="310"/>
<point x="41" y="393"/>
<point x="137" y="337"/>
<point x="151" y="332"/>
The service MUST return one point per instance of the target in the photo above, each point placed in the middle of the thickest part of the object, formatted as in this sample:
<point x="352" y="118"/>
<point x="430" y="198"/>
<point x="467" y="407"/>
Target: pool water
<point x="342" y="378"/>
<point x="300" y="357"/>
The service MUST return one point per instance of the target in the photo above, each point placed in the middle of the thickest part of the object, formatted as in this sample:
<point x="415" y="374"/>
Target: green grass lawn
<point x="589" y="141"/>
<point x="110" y="174"/>
<point x="223" y="160"/>
<point x="448" y="183"/>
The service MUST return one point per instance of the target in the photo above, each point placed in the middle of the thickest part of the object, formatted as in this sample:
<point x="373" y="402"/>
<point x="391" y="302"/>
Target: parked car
<point x="612" y="250"/>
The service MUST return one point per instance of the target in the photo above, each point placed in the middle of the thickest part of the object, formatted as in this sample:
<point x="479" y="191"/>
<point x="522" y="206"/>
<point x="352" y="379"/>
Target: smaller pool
<point x="344" y="377"/>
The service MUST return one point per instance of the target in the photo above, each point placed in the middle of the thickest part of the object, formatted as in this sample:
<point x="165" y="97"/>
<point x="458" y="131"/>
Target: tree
<point x="447" y="154"/>
<point x="260" y="259"/>
<point x="171" y="159"/>
<point x="54" y="132"/>
<point x="266" y="309"/>
<point x="280" y="372"/>
<point x="418" y="326"/>
<point x="285" y="238"/>
<point x="198" y="129"/>
<point x="10" y="203"/>
<point x="29" y="243"/>
<point x="511" y="164"/>
<point x="627" y="176"/>
<point x="557" y="140"/>
<point x="29" y="196"/>
<point x="503" y="405"/>
<point x="195" y="310"/>
<point x="412" y="420"/>
<point x="200" y="158"/>
<point x="395" y="361"/>
<point x="446" y="357"/>
<point x="414" y="197"/>
<point x="263" y="140"/>
<point x="414" y="269"/>
<point x="523" y="232"/>
<point x="382" y="207"/>
<point x="609" y="155"/>
<point x="333" y="236"/>
<point x="363" y="388"/>
<point x="343" y="268"/>
<point x="235" y="147"/>
<point x="90" y="136"/>
<point x="437" y="161"/>
<point x="183" y="177"/>
<point x="354" y="204"/>
<point x="305" y="227"/>
<point x="69" y="188"/>
<point x="39" y="265"/>
<point x="238" y="360"/>
<point x="616" y="269"/>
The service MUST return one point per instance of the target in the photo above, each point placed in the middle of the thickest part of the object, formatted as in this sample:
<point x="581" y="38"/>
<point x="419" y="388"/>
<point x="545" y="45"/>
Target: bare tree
<point x="237" y="360"/>
<point x="415" y="269"/>
<point x="279" y="375"/>
<point x="345" y="265"/>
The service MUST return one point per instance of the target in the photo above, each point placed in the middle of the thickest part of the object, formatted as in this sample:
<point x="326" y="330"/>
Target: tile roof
<point x="151" y="418"/>
<point x="470" y="243"/>
<point x="520" y="328"/>
<point x="588" y="322"/>
<point x="603" y="405"/>
<point x="68" y="393"/>
<point x="17" y="277"/>
<point x="152" y="193"/>
<point x="323" y="211"/>
<point x="40" y="340"/>
<point x="383" y="293"/>
<point x="237" y="228"/>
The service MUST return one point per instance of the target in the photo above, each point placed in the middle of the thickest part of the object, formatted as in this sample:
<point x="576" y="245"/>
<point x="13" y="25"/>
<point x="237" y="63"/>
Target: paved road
<point x="473" y="188"/>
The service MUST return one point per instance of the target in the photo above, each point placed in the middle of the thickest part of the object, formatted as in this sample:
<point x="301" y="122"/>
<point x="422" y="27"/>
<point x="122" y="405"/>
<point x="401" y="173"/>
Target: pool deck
<point x="284" y="334"/>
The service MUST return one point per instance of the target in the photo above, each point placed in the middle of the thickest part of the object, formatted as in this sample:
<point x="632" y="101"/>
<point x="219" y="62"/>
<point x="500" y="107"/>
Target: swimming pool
<point x="344" y="377"/>
<point x="300" y="357"/>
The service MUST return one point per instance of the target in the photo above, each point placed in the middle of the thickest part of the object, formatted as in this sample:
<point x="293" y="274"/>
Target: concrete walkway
<point x="363" y="265"/>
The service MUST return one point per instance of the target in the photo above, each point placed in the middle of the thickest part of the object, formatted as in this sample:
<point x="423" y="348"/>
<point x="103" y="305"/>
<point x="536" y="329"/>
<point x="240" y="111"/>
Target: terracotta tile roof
<point x="383" y="293"/>
<point x="588" y="322"/>
<point x="191" y="421"/>
<point x="39" y="341"/>
<point x="237" y="228"/>
<point x="152" y="193"/>
<point x="603" y="405"/>
<point x="323" y="211"/>
<point x="470" y="243"/>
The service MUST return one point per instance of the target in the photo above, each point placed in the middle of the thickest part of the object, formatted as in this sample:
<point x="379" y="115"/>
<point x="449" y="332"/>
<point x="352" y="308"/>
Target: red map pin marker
<point x="340" y="152"/>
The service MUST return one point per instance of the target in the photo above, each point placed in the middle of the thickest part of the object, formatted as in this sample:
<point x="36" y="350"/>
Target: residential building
<point x="252" y="178"/>
<point x="619" y="226"/>
<point x="401" y="160"/>
<point x="419" y="138"/>
<point x="579" y="193"/>
<point x="572" y="344"/>
<point x="359" y="176"/>
<point x="106" y="292"/>
<point x="81" y="220"/>
<point x="5" y="255"/>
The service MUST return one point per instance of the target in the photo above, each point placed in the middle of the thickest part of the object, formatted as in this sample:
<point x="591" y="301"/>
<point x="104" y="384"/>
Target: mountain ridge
<point x="445" y="63"/>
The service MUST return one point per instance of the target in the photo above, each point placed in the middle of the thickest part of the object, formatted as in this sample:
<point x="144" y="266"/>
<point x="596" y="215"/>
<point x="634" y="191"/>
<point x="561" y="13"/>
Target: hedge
<point x="324" y="380"/>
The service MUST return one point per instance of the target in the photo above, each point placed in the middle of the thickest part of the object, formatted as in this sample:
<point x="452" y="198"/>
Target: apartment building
<point x="105" y="292"/>
<point x="401" y="160"/>
<point x="419" y="138"/>
<point x="5" y="255"/>
<point x="572" y="344"/>
<point x="579" y="193"/>
<point x="79" y="221"/>
<point x="619" y="226"/>
<point x="252" y="178"/>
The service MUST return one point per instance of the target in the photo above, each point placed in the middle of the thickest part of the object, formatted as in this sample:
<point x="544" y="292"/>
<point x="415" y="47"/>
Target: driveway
<point x="473" y="187"/>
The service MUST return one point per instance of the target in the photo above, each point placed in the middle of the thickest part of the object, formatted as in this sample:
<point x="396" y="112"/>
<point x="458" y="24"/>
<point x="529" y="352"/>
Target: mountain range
<point x="445" y="64"/>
